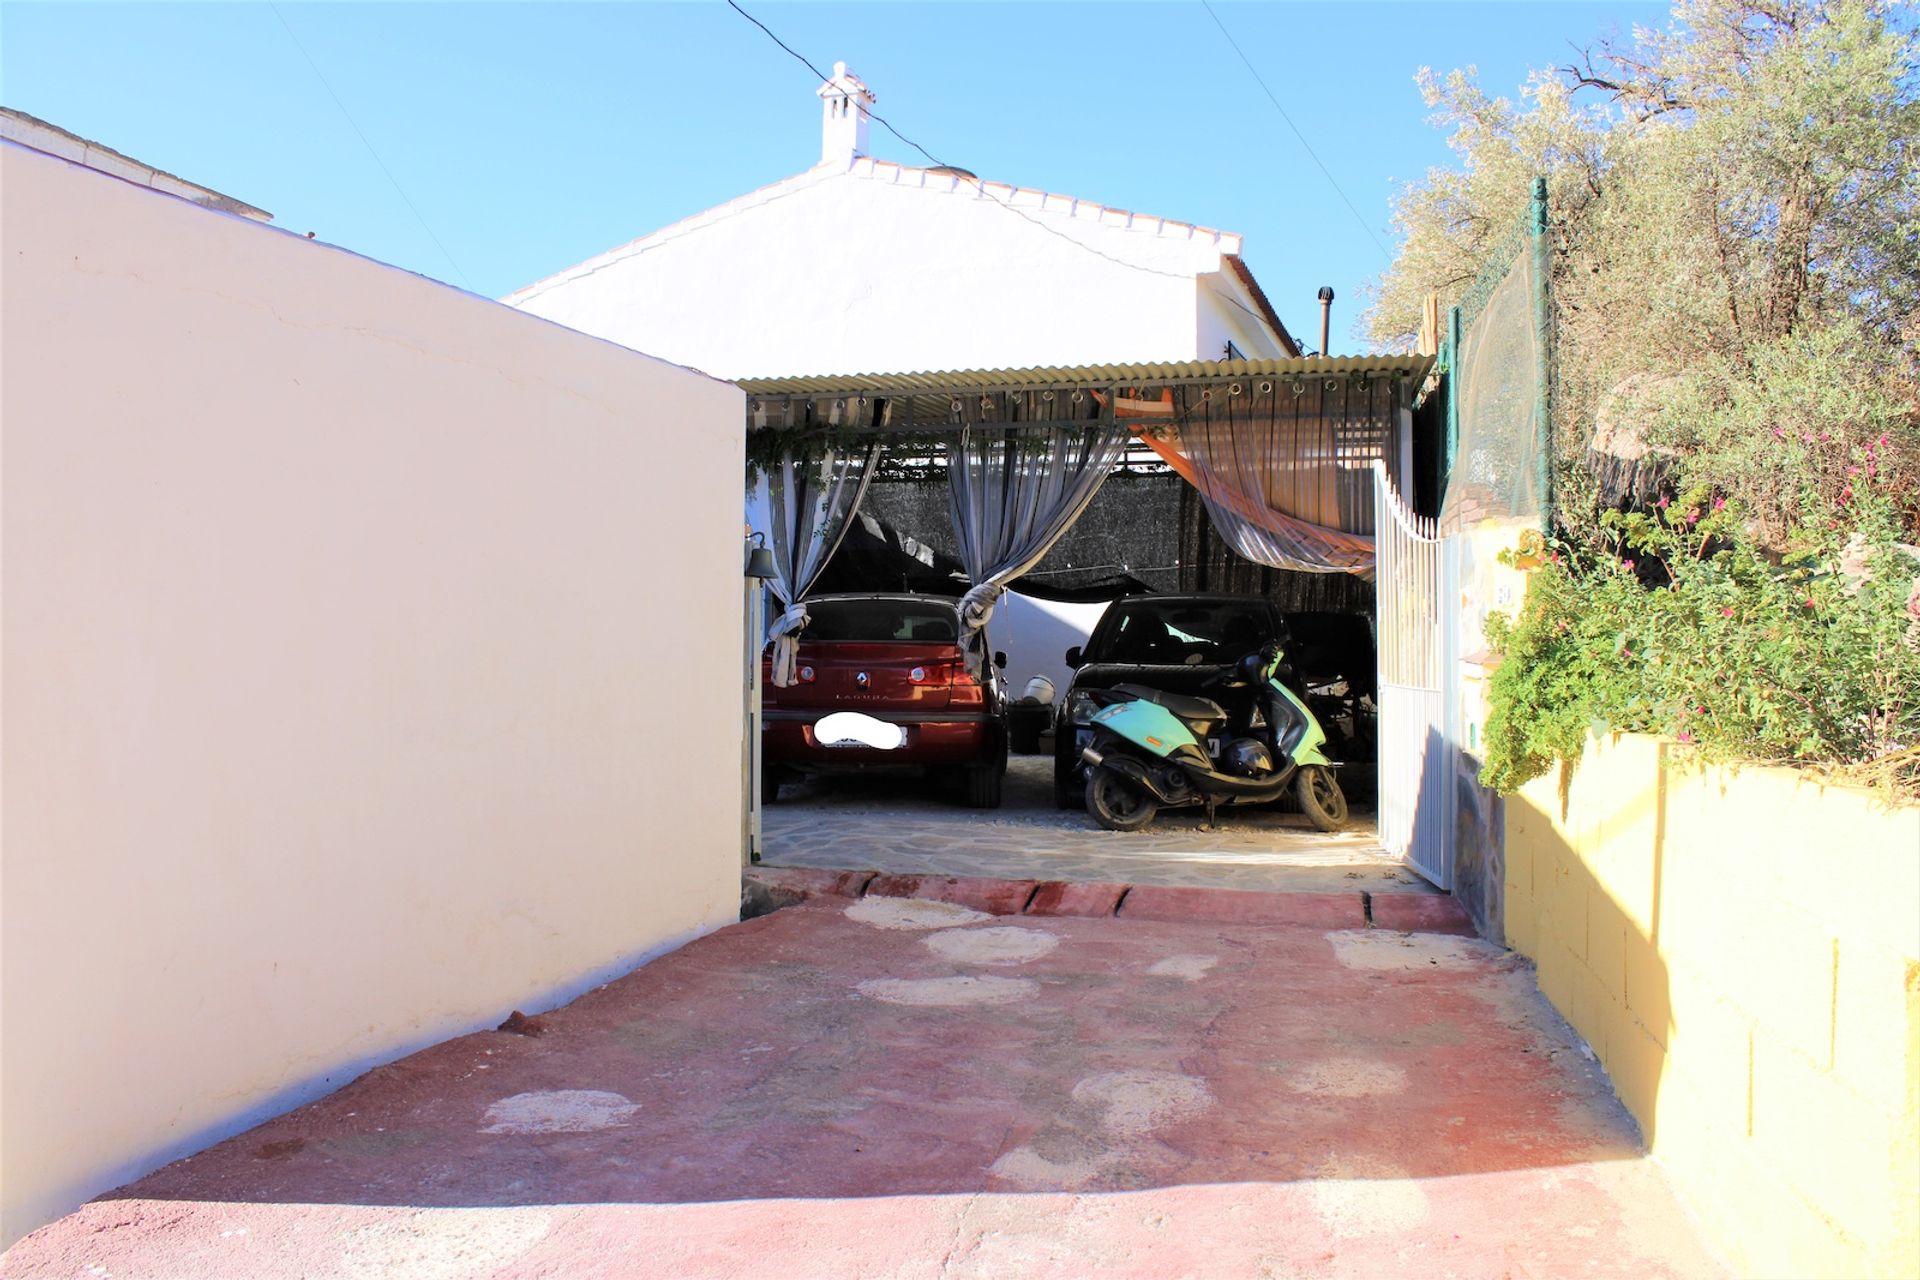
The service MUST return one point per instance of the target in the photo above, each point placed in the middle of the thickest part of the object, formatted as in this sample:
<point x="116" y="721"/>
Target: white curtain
<point x="1272" y="493"/>
<point x="1014" y="492"/>
<point x="1276" y="485"/>
<point x="808" y="501"/>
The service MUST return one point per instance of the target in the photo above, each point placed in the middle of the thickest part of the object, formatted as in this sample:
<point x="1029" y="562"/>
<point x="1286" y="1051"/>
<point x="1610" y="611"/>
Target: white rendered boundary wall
<point x="370" y="668"/>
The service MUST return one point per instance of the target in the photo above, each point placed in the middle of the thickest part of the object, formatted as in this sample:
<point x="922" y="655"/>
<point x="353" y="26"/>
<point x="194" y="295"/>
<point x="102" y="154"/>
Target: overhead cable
<point x="1296" y="131"/>
<point x="938" y="163"/>
<point x="369" y="146"/>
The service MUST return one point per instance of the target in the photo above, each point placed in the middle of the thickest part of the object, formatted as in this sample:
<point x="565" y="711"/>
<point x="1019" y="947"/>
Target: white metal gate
<point x="1416" y="782"/>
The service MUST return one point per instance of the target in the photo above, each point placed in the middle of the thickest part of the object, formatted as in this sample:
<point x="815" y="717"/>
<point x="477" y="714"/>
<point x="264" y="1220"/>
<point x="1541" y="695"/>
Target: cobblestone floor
<point x="911" y="826"/>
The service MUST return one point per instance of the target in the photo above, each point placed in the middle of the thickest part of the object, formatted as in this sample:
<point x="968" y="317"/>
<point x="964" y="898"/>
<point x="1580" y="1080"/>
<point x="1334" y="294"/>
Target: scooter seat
<point x="1196" y="711"/>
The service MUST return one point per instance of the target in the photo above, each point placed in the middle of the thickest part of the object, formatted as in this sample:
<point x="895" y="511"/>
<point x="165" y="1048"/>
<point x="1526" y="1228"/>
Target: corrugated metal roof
<point x="1099" y="376"/>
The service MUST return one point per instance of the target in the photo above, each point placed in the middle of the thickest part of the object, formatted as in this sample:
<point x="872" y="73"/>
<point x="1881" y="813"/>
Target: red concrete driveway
<point x="892" y="1087"/>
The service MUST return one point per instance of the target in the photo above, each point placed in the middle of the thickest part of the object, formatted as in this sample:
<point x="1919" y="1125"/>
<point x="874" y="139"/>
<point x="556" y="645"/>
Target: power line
<point x="938" y="163"/>
<point x="827" y="79"/>
<point x="1296" y="130"/>
<point x="369" y="145"/>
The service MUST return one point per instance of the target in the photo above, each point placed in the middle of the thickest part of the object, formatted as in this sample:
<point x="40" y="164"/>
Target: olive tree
<point x="1735" y="244"/>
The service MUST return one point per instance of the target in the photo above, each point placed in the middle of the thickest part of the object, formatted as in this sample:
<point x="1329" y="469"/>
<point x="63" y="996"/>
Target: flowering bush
<point x="1682" y="627"/>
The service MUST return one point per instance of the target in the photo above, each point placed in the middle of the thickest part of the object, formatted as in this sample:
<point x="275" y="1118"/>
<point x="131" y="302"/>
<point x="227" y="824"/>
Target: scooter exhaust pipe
<point x="1224" y="786"/>
<point x="1136" y="773"/>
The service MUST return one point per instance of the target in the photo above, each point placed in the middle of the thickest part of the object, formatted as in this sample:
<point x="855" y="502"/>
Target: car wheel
<point x="1321" y="798"/>
<point x="1116" y="803"/>
<point x="982" y="786"/>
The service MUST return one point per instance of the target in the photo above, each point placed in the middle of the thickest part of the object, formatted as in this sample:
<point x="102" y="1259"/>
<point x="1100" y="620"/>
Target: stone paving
<point x="902" y="1088"/>
<point x="908" y="826"/>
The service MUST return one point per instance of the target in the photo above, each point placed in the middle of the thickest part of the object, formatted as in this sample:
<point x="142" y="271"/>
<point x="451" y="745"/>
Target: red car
<point x="899" y="660"/>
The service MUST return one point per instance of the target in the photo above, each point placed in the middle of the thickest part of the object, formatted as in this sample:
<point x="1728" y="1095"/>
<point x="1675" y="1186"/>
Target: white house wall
<point x="371" y="668"/>
<point x="1228" y="314"/>
<point x="840" y="272"/>
<point x="1036" y="634"/>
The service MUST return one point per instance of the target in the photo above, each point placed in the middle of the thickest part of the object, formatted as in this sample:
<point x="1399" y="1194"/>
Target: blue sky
<point x="531" y="136"/>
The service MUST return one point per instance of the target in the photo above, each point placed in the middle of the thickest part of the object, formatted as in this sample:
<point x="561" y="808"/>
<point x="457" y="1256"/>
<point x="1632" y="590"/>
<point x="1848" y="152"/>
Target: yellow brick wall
<point x="1741" y="949"/>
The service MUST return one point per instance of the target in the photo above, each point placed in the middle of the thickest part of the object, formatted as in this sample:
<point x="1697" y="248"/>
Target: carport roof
<point x="938" y="399"/>
<point x="1099" y="377"/>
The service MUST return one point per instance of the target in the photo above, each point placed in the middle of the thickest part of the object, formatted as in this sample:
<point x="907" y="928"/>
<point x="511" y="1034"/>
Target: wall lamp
<point x="760" y="560"/>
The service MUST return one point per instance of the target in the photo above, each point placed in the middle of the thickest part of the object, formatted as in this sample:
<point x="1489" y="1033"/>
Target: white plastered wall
<point x="371" y="668"/>
<point x="859" y="271"/>
<point x="1227" y="314"/>
<point x="1035" y="635"/>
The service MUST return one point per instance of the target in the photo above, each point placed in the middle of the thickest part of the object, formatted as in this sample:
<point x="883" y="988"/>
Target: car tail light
<point x="937" y="673"/>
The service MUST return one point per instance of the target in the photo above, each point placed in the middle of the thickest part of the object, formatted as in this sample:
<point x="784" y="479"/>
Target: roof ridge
<point x="871" y="167"/>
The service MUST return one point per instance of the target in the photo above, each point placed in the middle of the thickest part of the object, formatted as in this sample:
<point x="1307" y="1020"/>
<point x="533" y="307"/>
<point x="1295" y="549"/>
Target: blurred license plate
<point x="851" y="729"/>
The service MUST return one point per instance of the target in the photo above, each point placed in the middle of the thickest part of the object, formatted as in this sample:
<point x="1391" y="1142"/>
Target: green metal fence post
<point x="1542" y="342"/>
<point x="1451" y="344"/>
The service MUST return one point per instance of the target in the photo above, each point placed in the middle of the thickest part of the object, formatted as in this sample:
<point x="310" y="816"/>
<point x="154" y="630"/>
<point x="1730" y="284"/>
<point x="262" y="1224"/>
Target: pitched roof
<point x="944" y="180"/>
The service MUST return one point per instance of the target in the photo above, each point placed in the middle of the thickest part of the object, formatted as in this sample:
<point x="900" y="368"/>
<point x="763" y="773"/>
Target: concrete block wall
<point x="1741" y="949"/>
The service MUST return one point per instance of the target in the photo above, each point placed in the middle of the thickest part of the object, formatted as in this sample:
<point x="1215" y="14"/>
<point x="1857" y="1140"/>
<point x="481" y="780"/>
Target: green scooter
<point x="1153" y="750"/>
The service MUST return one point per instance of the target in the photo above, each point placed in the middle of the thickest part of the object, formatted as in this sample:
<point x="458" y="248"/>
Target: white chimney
<point x="843" y="124"/>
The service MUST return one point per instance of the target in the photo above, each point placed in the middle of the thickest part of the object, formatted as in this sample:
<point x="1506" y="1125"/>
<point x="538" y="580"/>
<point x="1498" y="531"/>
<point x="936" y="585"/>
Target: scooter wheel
<point x="1321" y="798"/>
<point x="1116" y="803"/>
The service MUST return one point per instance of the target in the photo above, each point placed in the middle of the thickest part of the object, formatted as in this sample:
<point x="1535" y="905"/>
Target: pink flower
<point x="1882" y="441"/>
<point x="1807" y="438"/>
<point x="1662" y="504"/>
<point x="1779" y="434"/>
<point x="1628" y="565"/>
<point x="1853" y="471"/>
<point x="1727" y="612"/>
<point x="1719" y="504"/>
<point x="1685" y="736"/>
<point x="1700" y="710"/>
<point x="1825" y="436"/>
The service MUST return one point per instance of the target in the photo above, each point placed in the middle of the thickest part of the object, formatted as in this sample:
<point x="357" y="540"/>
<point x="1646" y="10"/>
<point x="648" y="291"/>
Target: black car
<point x="1181" y="644"/>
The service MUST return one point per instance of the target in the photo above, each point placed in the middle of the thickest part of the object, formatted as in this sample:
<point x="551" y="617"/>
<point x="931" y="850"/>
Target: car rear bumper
<point x="932" y="739"/>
